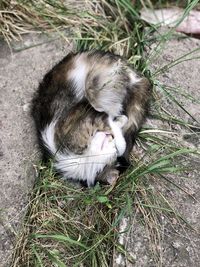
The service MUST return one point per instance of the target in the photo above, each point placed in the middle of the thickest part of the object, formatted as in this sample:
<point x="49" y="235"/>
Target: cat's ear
<point x="109" y="102"/>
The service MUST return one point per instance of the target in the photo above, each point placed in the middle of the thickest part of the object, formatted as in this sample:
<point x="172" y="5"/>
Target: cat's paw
<point x="121" y="120"/>
<point x="112" y="176"/>
<point x="116" y="126"/>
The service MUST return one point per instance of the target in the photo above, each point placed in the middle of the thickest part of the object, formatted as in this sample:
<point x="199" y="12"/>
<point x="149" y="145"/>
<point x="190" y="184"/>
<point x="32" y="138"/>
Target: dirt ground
<point x="20" y="73"/>
<point x="179" y="246"/>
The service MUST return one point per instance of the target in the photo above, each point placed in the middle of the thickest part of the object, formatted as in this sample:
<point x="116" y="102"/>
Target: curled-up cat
<point x="84" y="142"/>
<point x="87" y="110"/>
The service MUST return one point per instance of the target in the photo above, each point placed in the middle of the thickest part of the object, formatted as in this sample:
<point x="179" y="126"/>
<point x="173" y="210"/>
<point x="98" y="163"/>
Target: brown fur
<point x="136" y="107"/>
<point x="105" y="90"/>
<point x="76" y="130"/>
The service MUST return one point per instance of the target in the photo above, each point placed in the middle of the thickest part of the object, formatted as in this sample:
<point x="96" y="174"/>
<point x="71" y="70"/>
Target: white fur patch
<point x="134" y="78"/>
<point x="102" y="151"/>
<point x="78" y="75"/>
<point x="118" y="136"/>
<point x="86" y="166"/>
<point x="48" y="137"/>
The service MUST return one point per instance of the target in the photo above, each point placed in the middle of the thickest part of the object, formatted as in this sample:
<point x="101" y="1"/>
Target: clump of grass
<point x="100" y="24"/>
<point x="70" y="226"/>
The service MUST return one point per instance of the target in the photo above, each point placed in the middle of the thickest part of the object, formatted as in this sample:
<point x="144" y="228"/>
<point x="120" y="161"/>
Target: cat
<point x="87" y="111"/>
<point x="84" y="142"/>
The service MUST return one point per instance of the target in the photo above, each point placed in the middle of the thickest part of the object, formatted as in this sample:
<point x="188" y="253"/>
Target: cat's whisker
<point x="83" y="163"/>
<point x="84" y="156"/>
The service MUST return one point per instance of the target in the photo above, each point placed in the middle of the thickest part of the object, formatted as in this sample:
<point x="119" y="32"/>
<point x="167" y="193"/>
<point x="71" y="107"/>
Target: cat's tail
<point x="136" y="108"/>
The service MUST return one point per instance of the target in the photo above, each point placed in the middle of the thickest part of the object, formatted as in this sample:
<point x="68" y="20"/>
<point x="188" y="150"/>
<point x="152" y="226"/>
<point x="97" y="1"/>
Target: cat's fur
<point x="79" y="113"/>
<point x="84" y="142"/>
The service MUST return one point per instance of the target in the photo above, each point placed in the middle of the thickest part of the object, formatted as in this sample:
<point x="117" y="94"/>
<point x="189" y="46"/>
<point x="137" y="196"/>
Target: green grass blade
<point x="54" y="259"/>
<point x="39" y="260"/>
<point x="61" y="238"/>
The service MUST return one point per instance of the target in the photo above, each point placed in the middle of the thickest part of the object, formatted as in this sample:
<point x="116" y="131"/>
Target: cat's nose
<point x="109" y="135"/>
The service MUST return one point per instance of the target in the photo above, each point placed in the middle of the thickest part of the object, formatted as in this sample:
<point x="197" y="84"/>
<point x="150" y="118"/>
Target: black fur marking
<point x="123" y="164"/>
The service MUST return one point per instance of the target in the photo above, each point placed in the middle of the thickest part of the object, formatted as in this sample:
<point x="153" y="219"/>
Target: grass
<point x="69" y="226"/>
